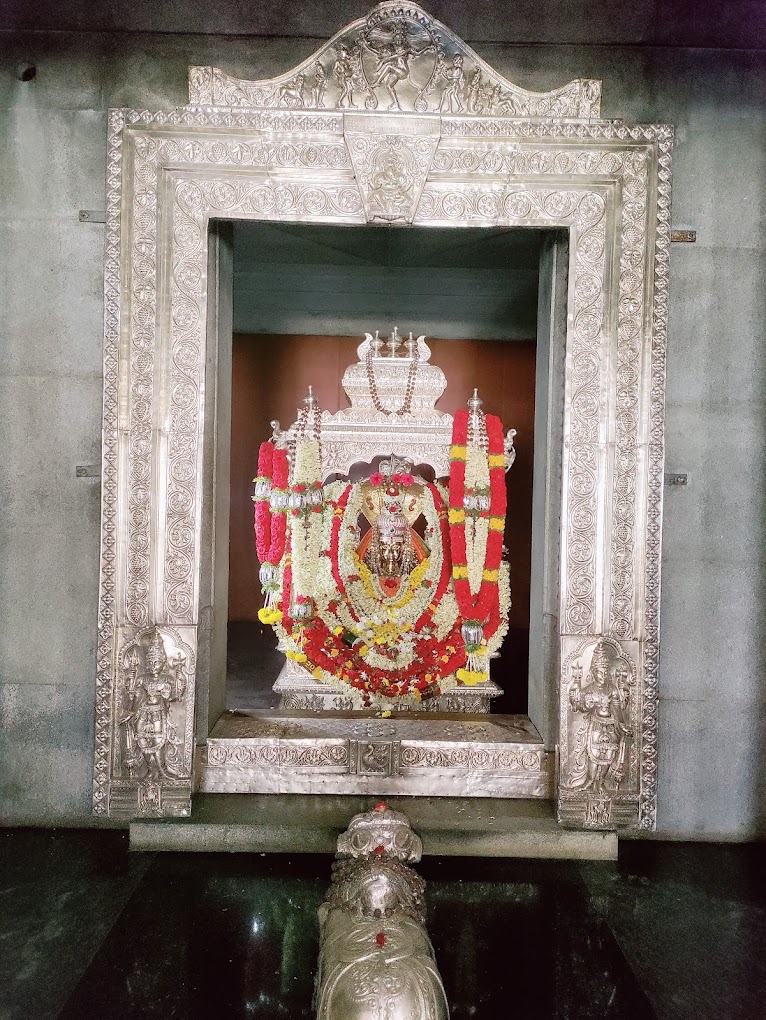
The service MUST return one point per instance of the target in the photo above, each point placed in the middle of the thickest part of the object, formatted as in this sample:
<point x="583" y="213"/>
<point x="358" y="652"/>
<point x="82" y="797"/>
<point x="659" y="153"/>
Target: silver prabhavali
<point x="376" y="960"/>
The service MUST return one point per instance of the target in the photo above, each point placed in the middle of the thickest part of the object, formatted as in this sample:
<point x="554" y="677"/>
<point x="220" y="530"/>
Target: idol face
<point x="391" y="555"/>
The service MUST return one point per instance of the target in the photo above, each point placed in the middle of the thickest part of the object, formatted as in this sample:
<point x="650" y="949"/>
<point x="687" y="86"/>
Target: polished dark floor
<point x="88" y="930"/>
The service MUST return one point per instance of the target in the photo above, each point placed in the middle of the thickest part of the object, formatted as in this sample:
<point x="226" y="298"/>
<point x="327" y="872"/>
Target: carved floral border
<point x="179" y="169"/>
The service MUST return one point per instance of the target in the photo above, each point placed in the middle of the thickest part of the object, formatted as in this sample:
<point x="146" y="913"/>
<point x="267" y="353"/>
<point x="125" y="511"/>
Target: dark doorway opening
<point x="303" y="298"/>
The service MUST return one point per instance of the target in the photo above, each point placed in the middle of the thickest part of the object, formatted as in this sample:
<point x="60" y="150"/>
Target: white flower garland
<point x="504" y="593"/>
<point x="363" y="604"/>
<point x="307" y="531"/>
<point x="476" y="528"/>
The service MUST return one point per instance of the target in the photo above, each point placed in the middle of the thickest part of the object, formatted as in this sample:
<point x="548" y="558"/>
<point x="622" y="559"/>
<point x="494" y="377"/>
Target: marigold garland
<point x="380" y="655"/>
<point x="480" y="609"/>
<point x="345" y="651"/>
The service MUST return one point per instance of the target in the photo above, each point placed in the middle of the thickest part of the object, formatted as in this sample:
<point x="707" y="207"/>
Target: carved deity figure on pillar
<point x="601" y="743"/>
<point x="151" y="684"/>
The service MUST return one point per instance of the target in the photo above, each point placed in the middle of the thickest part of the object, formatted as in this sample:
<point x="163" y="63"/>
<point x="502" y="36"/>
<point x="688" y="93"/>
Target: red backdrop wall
<point x="272" y="373"/>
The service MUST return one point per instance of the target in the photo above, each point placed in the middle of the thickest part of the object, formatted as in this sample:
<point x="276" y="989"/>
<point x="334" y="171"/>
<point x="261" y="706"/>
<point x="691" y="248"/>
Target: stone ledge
<point x="450" y="827"/>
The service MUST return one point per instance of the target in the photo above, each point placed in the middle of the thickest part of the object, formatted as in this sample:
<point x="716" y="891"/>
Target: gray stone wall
<point x="53" y="131"/>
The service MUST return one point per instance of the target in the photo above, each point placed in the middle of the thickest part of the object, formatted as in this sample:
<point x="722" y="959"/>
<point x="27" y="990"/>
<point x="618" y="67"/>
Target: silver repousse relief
<point x="459" y="146"/>
<point x="376" y="960"/>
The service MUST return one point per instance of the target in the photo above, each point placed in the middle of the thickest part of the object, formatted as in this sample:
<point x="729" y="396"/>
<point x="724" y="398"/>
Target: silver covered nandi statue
<point x="376" y="960"/>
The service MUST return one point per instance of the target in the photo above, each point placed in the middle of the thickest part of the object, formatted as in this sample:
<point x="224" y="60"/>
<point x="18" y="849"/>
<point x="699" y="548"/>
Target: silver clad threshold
<point x="442" y="755"/>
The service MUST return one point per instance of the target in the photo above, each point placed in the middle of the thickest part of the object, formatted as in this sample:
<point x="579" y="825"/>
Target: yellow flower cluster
<point x="269" y="615"/>
<point x="456" y="516"/>
<point x="472" y="677"/>
<point x="457" y="453"/>
<point x="496" y="460"/>
<point x="295" y="656"/>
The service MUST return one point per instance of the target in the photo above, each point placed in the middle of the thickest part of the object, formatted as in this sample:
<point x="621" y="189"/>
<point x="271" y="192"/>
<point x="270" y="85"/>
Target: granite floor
<point x="88" y="930"/>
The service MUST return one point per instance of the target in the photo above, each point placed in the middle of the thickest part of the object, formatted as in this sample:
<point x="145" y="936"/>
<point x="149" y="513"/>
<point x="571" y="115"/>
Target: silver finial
<point x="393" y="342"/>
<point x="475" y="403"/>
<point x="310" y="401"/>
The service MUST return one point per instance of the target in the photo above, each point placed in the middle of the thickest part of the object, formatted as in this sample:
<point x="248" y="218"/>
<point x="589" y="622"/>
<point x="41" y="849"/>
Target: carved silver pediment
<point x="397" y="58"/>
<point x="393" y="392"/>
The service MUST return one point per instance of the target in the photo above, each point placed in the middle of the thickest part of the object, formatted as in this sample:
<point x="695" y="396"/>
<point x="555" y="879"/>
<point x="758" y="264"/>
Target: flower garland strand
<point x="270" y="521"/>
<point x="340" y="644"/>
<point x="479" y="610"/>
<point x="306" y="506"/>
<point x="262" y="510"/>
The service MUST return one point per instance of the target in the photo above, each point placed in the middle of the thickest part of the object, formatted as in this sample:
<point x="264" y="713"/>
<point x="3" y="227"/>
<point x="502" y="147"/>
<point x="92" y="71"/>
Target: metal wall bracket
<point x="92" y="216"/>
<point x="676" y="478"/>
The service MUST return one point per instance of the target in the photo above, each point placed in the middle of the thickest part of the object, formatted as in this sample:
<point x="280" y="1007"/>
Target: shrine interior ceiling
<point x="395" y="121"/>
<point x="323" y="279"/>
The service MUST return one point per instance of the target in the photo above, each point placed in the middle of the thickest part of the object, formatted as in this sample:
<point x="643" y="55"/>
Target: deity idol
<point x="394" y="587"/>
<point x="392" y="502"/>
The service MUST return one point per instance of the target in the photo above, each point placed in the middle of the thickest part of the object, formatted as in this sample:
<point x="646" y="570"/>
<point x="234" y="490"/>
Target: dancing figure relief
<point x="393" y="53"/>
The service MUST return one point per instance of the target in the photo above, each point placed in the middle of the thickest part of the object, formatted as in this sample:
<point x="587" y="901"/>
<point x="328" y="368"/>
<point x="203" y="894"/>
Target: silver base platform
<point x="299" y="691"/>
<point x="409" y="754"/>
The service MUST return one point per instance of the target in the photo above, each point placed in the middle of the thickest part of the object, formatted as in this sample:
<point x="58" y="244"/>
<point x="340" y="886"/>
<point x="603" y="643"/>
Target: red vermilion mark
<point x="379" y="850"/>
<point x="381" y="806"/>
<point x="380" y="938"/>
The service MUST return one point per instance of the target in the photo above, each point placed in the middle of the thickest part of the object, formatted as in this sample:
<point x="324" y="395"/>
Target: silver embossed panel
<point x="440" y="755"/>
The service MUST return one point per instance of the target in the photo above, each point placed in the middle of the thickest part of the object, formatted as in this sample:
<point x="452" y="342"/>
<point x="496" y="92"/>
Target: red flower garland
<point x="484" y="606"/>
<point x="270" y="527"/>
<point x="262" y="510"/>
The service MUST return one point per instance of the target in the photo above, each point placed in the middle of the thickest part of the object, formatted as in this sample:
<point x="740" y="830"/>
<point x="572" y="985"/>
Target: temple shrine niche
<point x="394" y="122"/>
<point x="391" y="592"/>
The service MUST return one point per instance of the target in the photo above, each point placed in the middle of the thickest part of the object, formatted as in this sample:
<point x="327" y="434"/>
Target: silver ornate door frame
<point x="313" y="146"/>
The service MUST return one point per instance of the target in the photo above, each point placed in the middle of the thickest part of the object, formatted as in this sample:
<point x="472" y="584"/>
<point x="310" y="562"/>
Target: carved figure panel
<point x="396" y="59"/>
<point x="391" y="169"/>
<point x="601" y="733"/>
<point x="155" y="702"/>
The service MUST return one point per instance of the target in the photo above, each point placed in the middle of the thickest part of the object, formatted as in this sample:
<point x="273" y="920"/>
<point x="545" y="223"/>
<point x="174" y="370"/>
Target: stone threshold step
<point x="296" y="823"/>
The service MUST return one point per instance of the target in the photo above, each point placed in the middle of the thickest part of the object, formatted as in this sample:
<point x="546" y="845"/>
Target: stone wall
<point x="713" y="711"/>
